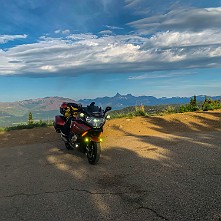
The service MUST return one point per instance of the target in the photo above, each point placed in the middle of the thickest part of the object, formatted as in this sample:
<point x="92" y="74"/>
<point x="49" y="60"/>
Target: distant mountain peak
<point x="118" y="95"/>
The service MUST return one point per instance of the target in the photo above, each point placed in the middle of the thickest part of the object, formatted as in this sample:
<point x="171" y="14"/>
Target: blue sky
<point x="96" y="48"/>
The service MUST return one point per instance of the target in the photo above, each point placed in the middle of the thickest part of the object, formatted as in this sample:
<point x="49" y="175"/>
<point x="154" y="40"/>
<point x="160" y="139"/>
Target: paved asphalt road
<point x="174" y="177"/>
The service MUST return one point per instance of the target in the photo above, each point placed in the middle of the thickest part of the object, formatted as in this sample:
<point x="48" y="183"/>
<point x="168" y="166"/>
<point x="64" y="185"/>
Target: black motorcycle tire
<point x="93" y="152"/>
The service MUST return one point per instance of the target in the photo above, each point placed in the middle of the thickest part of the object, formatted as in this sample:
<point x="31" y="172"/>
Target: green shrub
<point x="210" y="104"/>
<point x="207" y="107"/>
<point x="170" y="110"/>
<point x="182" y="109"/>
<point x="140" y="111"/>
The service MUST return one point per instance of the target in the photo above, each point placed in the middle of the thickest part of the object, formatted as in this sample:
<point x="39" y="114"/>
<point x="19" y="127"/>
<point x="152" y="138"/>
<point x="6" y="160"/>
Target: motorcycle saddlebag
<point x="59" y="122"/>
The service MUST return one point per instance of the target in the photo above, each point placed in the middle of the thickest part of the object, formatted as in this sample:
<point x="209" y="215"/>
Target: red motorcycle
<point x="85" y="127"/>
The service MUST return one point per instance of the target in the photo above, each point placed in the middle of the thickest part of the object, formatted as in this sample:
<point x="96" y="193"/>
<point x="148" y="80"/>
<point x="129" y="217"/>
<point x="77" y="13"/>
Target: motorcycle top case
<point x="68" y="109"/>
<point x="59" y="120"/>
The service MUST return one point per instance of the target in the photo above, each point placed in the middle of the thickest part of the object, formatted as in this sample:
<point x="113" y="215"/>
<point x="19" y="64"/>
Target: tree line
<point x="206" y="105"/>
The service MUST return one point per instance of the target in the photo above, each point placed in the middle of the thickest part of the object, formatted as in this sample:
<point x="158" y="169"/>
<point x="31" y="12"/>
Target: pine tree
<point x="194" y="100"/>
<point x="40" y="121"/>
<point x="193" y="104"/>
<point x="30" y="118"/>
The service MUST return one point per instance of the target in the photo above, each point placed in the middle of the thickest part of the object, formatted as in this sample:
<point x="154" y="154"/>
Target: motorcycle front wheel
<point x="93" y="152"/>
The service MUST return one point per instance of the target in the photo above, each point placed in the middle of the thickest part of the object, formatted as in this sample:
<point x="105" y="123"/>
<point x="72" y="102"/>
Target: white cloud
<point x="192" y="19"/>
<point x="156" y="75"/>
<point x="106" y="32"/>
<point x="48" y="68"/>
<point x="57" y="31"/>
<point x="6" y="38"/>
<point x="65" y="32"/>
<point x="84" y="36"/>
<point x="113" y="27"/>
<point x="132" y="3"/>
<point x="183" y="39"/>
<point x="8" y="65"/>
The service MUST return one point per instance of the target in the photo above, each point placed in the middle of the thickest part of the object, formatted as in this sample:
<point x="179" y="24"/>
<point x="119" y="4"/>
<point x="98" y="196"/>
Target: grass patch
<point x="25" y="126"/>
<point x="130" y="112"/>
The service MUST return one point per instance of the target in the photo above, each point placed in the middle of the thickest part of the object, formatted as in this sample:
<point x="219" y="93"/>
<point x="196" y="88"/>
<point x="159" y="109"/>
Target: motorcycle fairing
<point x="79" y="128"/>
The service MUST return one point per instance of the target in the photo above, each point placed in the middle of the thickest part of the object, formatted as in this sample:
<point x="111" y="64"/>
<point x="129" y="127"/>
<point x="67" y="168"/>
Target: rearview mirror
<point x="107" y="109"/>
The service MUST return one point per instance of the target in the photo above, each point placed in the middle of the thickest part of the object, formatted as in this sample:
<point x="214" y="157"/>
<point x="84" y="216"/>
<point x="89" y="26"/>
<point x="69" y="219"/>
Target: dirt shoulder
<point x="153" y="126"/>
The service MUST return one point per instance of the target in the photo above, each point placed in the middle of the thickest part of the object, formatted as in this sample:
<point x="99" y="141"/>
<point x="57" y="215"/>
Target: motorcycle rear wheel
<point x="93" y="152"/>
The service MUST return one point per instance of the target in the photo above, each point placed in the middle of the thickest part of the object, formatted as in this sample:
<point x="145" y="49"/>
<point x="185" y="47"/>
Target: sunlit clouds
<point x="113" y="53"/>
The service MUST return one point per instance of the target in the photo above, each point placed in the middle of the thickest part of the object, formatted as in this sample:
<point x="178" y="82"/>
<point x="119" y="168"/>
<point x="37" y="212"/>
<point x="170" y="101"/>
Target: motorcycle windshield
<point x="94" y="111"/>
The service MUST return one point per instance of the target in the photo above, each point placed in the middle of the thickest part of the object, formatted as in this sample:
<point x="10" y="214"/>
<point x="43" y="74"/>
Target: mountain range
<point x="121" y="101"/>
<point x="46" y="108"/>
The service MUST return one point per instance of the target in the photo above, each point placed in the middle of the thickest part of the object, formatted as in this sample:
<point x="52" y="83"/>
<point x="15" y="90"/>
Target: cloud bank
<point x="176" y="40"/>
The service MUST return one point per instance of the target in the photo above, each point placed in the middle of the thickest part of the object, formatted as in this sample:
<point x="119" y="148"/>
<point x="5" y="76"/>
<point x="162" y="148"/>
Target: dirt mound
<point x="156" y="125"/>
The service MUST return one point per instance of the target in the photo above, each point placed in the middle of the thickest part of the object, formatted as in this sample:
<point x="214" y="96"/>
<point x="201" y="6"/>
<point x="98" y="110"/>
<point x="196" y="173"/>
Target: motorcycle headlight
<point x="95" y="122"/>
<point x="81" y="114"/>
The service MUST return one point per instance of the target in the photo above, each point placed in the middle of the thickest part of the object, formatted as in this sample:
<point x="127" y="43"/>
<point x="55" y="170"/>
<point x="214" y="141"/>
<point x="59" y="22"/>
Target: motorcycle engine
<point x="73" y="138"/>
